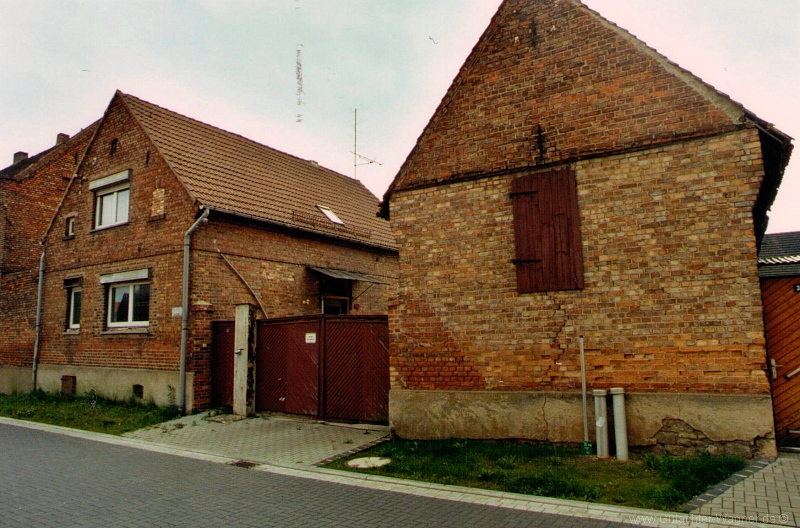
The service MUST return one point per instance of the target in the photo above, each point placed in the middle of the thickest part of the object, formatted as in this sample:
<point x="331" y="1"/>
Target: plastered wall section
<point x="671" y="302"/>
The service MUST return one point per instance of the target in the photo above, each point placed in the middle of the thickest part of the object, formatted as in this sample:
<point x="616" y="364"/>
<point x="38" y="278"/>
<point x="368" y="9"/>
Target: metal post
<point x="586" y="446"/>
<point x="601" y="421"/>
<point x="620" y="423"/>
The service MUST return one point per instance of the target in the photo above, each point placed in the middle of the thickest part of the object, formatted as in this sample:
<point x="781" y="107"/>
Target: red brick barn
<point x="256" y="221"/>
<point x="575" y="182"/>
<point x="779" y="269"/>
<point x="30" y="191"/>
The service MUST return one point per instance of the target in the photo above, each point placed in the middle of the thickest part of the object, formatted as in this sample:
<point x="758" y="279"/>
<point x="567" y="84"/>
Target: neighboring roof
<point x="25" y="168"/>
<point x="563" y="57"/>
<point x="779" y="255"/>
<point x="232" y="174"/>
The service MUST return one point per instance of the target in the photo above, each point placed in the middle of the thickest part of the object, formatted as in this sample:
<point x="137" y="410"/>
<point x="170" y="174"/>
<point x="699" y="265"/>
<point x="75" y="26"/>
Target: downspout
<point x="38" y="318"/>
<point x="187" y="238"/>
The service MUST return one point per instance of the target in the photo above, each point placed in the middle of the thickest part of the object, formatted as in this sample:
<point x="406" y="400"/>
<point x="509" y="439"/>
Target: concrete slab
<point x="268" y="439"/>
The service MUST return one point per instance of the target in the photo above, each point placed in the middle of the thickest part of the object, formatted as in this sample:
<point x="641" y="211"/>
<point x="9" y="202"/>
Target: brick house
<point x="574" y="182"/>
<point x="779" y="269"/>
<point x="30" y="191"/>
<point x="255" y="225"/>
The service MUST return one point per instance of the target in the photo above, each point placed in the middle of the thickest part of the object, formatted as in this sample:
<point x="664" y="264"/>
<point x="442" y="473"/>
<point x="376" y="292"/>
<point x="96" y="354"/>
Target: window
<point x="74" y="297"/>
<point x="112" y="199"/>
<point x="128" y="298"/>
<point x="69" y="228"/>
<point x="328" y="212"/>
<point x="547" y="232"/>
<point x="112" y="207"/>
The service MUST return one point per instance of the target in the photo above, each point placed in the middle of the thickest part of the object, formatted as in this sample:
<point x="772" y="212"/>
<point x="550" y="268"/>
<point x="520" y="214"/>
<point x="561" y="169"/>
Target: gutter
<point x="38" y="319"/>
<point x="187" y="238"/>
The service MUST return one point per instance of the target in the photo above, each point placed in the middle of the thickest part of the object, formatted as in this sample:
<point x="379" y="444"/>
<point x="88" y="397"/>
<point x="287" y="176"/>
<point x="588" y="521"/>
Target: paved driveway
<point x="269" y="440"/>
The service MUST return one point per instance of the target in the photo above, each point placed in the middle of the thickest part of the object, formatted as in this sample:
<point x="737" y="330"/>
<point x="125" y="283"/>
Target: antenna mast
<point x="356" y="155"/>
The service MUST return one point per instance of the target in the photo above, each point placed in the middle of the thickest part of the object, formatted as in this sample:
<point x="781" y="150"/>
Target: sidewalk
<point x="292" y="447"/>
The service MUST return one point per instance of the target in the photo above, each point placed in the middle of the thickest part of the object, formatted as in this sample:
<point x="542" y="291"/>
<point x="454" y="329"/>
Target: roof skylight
<point x="333" y="217"/>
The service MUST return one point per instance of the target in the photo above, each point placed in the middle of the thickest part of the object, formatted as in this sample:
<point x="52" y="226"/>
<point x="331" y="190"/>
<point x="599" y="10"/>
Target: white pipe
<point x="601" y="423"/>
<point x="187" y="238"/>
<point x="620" y="424"/>
<point x="583" y="393"/>
<point x="38" y="319"/>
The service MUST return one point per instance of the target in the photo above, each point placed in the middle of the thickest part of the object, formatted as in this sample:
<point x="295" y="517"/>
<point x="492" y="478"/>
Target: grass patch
<point x="549" y="470"/>
<point x="89" y="412"/>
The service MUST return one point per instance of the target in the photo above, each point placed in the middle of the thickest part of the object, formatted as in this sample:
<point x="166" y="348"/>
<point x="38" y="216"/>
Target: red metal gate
<point x="328" y="367"/>
<point x="222" y="364"/>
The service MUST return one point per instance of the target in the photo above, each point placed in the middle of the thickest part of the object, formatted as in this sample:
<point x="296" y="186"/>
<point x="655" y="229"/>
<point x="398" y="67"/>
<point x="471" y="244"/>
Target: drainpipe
<point x="620" y="422"/>
<point x="38" y="318"/>
<point x="187" y="238"/>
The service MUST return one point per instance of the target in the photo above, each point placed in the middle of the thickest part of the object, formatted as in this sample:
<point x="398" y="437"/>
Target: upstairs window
<point x="547" y="232"/>
<point x="112" y="200"/>
<point x="69" y="227"/>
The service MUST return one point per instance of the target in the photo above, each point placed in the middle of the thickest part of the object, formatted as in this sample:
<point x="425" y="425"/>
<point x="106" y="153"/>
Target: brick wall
<point x="550" y="81"/>
<point x="671" y="300"/>
<point x="28" y="199"/>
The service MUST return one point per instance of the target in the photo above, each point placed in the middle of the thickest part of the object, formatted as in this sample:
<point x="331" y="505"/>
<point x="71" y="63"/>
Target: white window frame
<point x="70" y="226"/>
<point x="114" y="192"/>
<point x="131" y="287"/>
<point x="71" y="323"/>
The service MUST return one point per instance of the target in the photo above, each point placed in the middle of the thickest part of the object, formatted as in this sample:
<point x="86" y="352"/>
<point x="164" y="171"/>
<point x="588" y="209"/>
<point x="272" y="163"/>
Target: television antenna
<point x="356" y="155"/>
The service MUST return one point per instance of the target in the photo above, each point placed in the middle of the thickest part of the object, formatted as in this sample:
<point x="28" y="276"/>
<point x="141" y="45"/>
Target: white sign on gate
<point x="311" y="338"/>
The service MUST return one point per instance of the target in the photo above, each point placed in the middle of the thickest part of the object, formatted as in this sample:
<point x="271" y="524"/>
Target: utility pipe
<point x="586" y="446"/>
<point x="38" y="319"/>
<point x="620" y="423"/>
<point x="601" y="421"/>
<point x="187" y="238"/>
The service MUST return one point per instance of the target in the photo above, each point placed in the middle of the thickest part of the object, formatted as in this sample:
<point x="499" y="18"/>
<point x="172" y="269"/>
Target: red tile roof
<point x="230" y="173"/>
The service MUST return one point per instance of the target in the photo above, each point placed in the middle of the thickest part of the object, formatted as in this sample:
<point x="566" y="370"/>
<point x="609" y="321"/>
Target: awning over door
<point x="347" y="275"/>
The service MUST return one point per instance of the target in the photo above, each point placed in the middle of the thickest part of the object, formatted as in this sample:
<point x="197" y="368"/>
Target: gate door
<point x="222" y="364"/>
<point x="287" y="366"/>
<point x="781" y="315"/>
<point x="356" y="377"/>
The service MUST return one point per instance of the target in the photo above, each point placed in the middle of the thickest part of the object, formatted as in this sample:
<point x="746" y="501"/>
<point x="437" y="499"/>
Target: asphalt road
<point x="48" y="479"/>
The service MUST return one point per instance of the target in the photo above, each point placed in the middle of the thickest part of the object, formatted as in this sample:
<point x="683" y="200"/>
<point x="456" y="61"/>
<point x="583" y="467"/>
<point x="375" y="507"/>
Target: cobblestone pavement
<point x="269" y="440"/>
<point x="51" y="479"/>
<point x="55" y="476"/>
<point x="769" y="495"/>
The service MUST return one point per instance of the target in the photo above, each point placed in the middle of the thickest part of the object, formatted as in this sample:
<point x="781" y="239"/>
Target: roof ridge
<point x="313" y="163"/>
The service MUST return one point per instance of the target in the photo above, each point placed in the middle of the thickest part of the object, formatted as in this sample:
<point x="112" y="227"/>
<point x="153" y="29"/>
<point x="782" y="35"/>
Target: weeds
<point x="89" y="411"/>
<point x="552" y="470"/>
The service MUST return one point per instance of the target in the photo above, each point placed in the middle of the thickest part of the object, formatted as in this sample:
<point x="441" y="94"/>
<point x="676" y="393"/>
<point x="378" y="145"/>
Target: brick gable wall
<point x="671" y="301"/>
<point x="551" y="81"/>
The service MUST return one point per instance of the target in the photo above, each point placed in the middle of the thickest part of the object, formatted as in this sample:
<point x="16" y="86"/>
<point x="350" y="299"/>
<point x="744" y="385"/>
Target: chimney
<point x="61" y="138"/>
<point x="20" y="156"/>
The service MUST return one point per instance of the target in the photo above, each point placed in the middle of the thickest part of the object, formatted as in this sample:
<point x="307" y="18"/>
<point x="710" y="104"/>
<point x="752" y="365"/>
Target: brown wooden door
<point x="356" y="377"/>
<point x="782" y="319"/>
<point x="222" y="364"/>
<point x="287" y="366"/>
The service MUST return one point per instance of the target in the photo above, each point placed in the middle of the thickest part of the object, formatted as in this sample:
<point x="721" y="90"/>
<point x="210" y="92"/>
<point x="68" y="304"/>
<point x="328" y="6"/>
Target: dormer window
<point x="328" y="212"/>
<point x="112" y="200"/>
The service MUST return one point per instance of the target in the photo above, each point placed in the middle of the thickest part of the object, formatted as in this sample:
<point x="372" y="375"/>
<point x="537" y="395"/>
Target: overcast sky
<point x="289" y="73"/>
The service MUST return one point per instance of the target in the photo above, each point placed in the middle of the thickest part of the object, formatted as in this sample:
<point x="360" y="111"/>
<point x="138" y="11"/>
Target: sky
<point x="291" y="74"/>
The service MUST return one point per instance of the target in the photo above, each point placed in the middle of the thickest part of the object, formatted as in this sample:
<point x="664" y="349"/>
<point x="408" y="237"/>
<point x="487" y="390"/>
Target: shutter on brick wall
<point x="547" y="232"/>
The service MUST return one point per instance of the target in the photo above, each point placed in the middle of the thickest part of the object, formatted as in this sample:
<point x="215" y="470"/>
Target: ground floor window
<point x="74" y="297"/>
<point x="336" y="295"/>
<point x="127" y="298"/>
<point x="129" y="304"/>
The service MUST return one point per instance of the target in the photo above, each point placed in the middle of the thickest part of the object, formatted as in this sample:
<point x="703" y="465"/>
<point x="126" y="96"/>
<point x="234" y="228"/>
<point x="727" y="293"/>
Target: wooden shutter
<point x="547" y="232"/>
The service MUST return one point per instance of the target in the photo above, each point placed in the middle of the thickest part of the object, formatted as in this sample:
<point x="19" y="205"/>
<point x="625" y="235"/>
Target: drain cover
<point x="368" y="462"/>
<point x="244" y="464"/>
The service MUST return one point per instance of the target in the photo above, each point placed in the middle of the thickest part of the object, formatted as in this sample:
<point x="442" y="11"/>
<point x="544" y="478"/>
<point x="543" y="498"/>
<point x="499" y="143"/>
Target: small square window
<point x="328" y="212"/>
